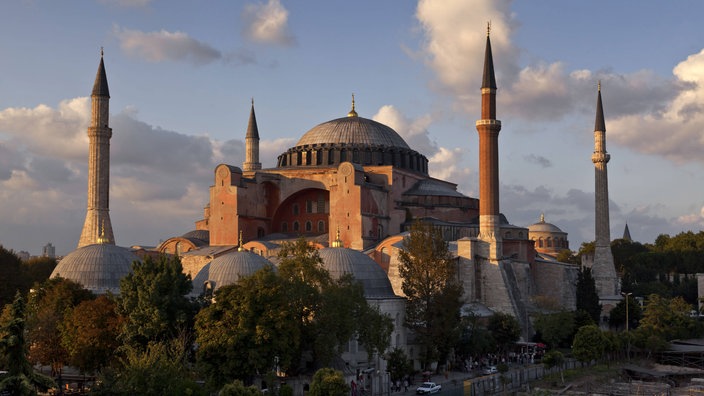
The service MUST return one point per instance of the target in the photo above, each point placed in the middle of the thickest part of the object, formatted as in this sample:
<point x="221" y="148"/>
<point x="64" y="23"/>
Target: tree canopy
<point x="432" y="290"/>
<point x="587" y="296"/>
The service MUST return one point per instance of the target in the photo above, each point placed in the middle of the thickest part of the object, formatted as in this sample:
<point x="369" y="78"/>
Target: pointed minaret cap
<point x="627" y="233"/>
<point x="352" y="112"/>
<point x="599" y="124"/>
<point x="252" y="130"/>
<point x="489" y="80"/>
<point x="100" y="87"/>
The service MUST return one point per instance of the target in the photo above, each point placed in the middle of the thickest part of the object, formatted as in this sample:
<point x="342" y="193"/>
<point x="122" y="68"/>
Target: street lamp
<point x="626" y="295"/>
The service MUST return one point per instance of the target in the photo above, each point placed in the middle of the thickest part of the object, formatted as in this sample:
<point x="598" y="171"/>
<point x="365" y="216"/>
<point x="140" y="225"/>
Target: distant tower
<point x="97" y="228"/>
<point x="627" y="234"/>
<point x="251" y="144"/>
<point x="488" y="128"/>
<point x="603" y="269"/>
<point x="49" y="250"/>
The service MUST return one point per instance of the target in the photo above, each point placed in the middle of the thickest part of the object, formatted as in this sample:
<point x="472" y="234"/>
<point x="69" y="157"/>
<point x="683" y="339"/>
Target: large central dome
<point x="352" y="139"/>
<point x="353" y="130"/>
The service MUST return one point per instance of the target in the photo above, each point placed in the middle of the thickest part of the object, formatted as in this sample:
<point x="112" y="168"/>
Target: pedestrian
<point x="405" y="385"/>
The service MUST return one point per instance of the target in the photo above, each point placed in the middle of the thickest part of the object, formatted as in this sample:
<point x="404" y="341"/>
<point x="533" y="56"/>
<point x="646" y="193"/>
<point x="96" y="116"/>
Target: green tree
<point x="397" y="364"/>
<point x="91" y="344"/>
<point x="668" y="319"/>
<point x="555" y="329"/>
<point x="251" y="328"/>
<point x="37" y="270"/>
<point x="505" y="330"/>
<point x="21" y="379"/>
<point x="153" y="302"/>
<point x="588" y="344"/>
<point x="11" y="277"/>
<point x="46" y="308"/>
<point x="587" y="297"/>
<point x="433" y="291"/>
<point x="238" y="388"/>
<point x="568" y="256"/>
<point x="475" y="339"/>
<point x="158" y="369"/>
<point x="555" y="358"/>
<point x="617" y="316"/>
<point x="328" y="382"/>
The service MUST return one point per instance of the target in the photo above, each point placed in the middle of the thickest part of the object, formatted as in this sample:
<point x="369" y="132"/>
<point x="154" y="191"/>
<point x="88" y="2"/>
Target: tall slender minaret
<point x="603" y="269"/>
<point x="251" y="144"/>
<point x="488" y="128"/>
<point x="97" y="228"/>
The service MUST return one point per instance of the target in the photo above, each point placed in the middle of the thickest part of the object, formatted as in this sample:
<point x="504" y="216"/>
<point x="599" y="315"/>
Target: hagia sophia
<point x="352" y="187"/>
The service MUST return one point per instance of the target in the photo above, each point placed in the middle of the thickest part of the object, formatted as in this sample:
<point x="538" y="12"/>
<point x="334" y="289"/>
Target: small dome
<point x="339" y="261"/>
<point x="228" y="269"/>
<point x="98" y="267"/>
<point x="353" y="130"/>
<point x="542" y="226"/>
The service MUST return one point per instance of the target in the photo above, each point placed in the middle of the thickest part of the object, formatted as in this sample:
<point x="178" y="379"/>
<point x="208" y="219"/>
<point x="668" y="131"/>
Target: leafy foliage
<point x="432" y="290"/>
<point x="46" y="309"/>
<point x="588" y="344"/>
<point x="21" y="379"/>
<point x="328" y="382"/>
<point x="91" y="343"/>
<point x="237" y="388"/>
<point x="10" y="276"/>
<point x="587" y="297"/>
<point x="554" y="358"/>
<point x="153" y="302"/>
<point x="668" y="319"/>
<point x="505" y="329"/>
<point x="617" y="316"/>
<point x="555" y="329"/>
<point x="397" y="364"/>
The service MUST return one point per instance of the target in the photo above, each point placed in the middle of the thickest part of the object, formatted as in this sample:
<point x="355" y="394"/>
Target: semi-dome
<point x="97" y="267"/>
<point x="353" y="139"/>
<point x="339" y="261"/>
<point x="228" y="269"/>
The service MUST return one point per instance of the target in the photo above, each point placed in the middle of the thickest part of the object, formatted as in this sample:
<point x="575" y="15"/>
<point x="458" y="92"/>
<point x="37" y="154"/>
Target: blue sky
<point x="182" y="75"/>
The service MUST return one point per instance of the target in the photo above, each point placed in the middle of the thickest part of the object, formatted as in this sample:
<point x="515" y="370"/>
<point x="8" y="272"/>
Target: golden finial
<point x="598" y="86"/>
<point x="337" y="242"/>
<point x="352" y="113"/>
<point x="101" y="235"/>
<point x="488" y="28"/>
<point x="542" y="217"/>
<point x="101" y="51"/>
<point x="241" y="247"/>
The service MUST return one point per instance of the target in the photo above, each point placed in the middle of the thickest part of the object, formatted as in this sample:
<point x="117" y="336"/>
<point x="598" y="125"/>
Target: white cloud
<point x="267" y="23"/>
<point x="165" y="46"/>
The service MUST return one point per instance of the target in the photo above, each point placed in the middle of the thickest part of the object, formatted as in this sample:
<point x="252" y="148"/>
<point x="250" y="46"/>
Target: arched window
<point x="321" y="226"/>
<point x="295" y="226"/>
<point x="295" y="209"/>
<point x="309" y="226"/>
<point x="284" y="227"/>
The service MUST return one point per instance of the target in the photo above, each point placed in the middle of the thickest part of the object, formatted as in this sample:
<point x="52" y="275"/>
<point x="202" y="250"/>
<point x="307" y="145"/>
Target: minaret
<point x="603" y="269"/>
<point x="488" y="128"/>
<point x="251" y="144"/>
<point x="97" y="227"/>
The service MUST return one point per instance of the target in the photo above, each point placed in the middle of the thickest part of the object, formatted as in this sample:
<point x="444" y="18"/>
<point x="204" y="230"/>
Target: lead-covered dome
<point x="228" y="269"/>
<point x="97" y="267"/>
<point x="352" y="130"/>
<point x="339" y="261"/>
<point x="353" y="139"/>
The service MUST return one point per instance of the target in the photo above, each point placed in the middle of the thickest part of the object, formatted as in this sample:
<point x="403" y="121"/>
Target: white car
<point x="490" y="370"/>
<point x="427" y="388"/>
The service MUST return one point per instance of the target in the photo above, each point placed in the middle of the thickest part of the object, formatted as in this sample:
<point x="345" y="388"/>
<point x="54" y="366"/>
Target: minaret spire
<point x="488" y="128"/>
<point x="97" y="227"/>
<point x="603" y="269"/>
<point x="251" y="141"/>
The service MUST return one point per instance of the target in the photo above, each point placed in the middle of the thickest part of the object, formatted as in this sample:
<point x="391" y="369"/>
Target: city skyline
<point x="182" y="76"/>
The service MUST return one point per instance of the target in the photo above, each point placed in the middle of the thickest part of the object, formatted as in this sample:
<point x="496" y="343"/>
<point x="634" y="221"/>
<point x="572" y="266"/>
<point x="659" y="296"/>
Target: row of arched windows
<point x="308" y="226"/>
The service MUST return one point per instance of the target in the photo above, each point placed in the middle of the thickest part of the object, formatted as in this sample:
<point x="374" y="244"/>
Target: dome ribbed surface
<point x="203" y="235"/>
<point x="352" y="130"/>
<point x="98" y="267"/>
<point x="544" y="227"/>
<point x="340" y="261"/>
<point x="228" y="269"/>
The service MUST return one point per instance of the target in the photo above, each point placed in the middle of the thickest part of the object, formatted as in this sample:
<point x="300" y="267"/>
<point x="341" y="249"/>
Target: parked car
<point x="428" y="388"/>
<point x="490" y="370"/>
